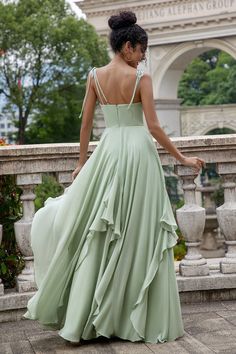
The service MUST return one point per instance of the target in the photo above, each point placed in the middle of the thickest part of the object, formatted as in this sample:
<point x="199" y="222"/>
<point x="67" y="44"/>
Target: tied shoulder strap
<point x="87" y="89"/>
<point x="98" y="87"/>
<point x="139" y="74"/>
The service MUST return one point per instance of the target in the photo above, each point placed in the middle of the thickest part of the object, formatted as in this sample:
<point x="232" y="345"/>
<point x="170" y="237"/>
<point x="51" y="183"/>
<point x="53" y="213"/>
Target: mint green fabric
<point x="103" y="250"/>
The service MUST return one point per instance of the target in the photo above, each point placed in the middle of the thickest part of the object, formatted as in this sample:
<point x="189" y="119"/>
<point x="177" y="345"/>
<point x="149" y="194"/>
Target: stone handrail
<point x="28" y="162"/>
<point x="16" y="159"/>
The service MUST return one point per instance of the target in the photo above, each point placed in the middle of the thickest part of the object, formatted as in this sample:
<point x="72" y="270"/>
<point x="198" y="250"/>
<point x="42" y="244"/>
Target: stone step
<point x="213" y="287"/>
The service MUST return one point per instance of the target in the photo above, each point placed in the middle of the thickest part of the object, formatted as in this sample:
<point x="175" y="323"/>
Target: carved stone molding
<point x="162" y="10"/>
<point x="167" y="104"/>
<point x="200" y="120"/>
<point x="166" y="16"/>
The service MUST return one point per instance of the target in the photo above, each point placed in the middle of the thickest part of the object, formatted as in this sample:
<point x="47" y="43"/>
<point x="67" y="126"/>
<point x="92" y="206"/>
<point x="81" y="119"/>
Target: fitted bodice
<point x="120" y="115"/>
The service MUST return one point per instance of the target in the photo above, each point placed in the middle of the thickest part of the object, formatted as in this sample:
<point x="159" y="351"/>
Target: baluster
<point x="211" y="245"/>
<point x="25" y="280"/>
<point x="226" y="215"/>
<point x="1" y="284"/>
<point x="191" y="221"/>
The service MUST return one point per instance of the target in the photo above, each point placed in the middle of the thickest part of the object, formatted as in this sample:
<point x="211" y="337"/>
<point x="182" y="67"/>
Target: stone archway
<point x="219" y="131"/>
<point x="179" y="31"/>
<point x="170" y="63"/>
<point x="173" y="60"/>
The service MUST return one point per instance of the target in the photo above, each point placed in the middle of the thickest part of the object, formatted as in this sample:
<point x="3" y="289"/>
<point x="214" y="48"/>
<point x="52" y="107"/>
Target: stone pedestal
<point x="226" y="215"/>
<point x="25" y="280"/>
<point x="191" y="221"/>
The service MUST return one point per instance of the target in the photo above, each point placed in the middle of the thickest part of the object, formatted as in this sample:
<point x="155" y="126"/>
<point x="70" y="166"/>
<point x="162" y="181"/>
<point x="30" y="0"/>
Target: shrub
<point x="49" y="188"/>
<point x="11" y="264"/>
<point x="11" y="260"/>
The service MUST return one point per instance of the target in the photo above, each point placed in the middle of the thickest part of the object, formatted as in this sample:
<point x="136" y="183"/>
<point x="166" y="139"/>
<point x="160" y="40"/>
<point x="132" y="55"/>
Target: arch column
<point x="168" y="113"/>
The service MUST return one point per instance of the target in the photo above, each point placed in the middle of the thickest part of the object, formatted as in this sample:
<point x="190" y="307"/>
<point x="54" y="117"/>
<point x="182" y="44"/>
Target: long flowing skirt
<point x="103" y="250"/>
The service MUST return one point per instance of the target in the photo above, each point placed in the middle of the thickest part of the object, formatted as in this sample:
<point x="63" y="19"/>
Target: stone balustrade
<point x="29" y="162"/>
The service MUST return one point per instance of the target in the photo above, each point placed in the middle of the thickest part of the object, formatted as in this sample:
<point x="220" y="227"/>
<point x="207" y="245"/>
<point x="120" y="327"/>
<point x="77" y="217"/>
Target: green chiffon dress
<point x="103" y="250"/>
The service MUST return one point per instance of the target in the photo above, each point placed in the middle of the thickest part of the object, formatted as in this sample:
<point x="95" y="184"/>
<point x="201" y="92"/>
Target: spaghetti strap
<point x="98" y="86"/>
<point x="139" y="74"/>
<point x="86" y="93"/>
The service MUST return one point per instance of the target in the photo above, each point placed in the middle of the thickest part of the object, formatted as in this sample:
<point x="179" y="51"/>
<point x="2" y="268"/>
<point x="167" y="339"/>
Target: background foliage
<point x="45" y="55"/>
<point x="209" y="79"/>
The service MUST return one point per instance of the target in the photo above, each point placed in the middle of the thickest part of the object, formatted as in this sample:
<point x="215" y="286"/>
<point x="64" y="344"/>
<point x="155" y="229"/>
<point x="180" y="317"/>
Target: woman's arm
<point x="155" y="129"/>
<point x="86" y="125"/>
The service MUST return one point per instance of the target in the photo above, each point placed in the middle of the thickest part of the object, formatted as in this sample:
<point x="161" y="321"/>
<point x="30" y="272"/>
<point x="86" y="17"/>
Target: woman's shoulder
<point x="146" y="76"/>
<point x="100" y="68"/>
<point x="128" y="72"/>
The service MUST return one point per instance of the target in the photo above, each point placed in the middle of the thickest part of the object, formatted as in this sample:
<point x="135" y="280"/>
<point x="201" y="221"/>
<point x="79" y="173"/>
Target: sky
<point x="75" y="8"/>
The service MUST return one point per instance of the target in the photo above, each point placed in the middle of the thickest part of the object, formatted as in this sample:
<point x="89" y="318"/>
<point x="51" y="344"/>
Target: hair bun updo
<point x="124" y="19"/>
<point x="123" y="29"/>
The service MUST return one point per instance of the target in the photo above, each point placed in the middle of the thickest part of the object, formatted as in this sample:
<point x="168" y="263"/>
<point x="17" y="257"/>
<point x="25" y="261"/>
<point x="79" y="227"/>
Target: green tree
<point x="191" y="84"/>
<point x="45" y="55"/>
<point x="209" y="79"/>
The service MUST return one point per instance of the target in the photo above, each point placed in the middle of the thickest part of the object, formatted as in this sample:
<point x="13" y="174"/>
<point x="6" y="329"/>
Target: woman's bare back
<point x="117" y="83"/>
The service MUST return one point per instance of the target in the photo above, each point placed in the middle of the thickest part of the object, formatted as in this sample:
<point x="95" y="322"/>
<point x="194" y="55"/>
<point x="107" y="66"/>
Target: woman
<point x="104" y="263"/>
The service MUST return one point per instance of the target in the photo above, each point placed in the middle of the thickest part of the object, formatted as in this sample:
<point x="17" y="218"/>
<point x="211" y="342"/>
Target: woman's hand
<point x="194" y="162"/>
<point x="77" y="170"/>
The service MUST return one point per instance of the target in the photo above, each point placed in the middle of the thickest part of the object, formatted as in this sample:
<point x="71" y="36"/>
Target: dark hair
<point x="124" y="28"/>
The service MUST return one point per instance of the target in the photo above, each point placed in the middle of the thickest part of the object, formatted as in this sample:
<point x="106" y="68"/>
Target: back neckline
<point x="139" y="74"/>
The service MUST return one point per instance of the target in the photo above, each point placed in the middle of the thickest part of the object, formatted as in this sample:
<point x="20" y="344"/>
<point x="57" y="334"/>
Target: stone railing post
<point x="191" y="221"/>
<point x="226" y="215"/>
<point x="1" y="284"/>
<point x="64" y="178"/>
<point x="25" y="280"/>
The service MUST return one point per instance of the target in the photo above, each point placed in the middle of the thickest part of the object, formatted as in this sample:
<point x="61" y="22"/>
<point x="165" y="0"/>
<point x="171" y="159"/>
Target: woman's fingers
<point x="202" y="162"/>
<point x="196" y="162"/>
<point x="75" y="172"/>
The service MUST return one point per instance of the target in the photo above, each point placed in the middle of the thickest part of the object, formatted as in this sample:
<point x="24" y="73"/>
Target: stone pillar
<point x="25" y="280"/>
<point x="226" y="215"/>
<point x="1" y="284"/>
<point x="168" y="112"/>
<point x="191" y="221"/>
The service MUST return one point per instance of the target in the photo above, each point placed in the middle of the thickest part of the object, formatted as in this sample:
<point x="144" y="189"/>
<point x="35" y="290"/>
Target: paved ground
<point x="209" y="328"/>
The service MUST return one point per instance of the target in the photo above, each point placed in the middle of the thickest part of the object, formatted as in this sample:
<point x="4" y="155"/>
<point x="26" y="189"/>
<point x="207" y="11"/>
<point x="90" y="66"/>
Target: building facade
<point x="7" y="128"/>
<point x="178" y="32"/>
